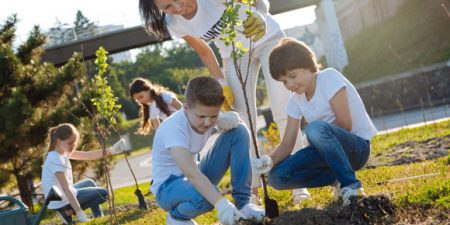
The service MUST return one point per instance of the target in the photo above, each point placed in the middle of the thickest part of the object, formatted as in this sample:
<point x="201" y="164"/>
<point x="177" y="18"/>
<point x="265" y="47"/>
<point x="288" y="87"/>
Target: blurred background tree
<point x="35" y="96"/>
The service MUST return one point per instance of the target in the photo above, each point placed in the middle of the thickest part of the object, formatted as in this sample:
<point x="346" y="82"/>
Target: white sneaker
<point x="300" y="195"/>
<point x="255" y="200"/>
<point x="348" y="192"/>
<point x="172" y="221"/>
<point x="252" y="211"/>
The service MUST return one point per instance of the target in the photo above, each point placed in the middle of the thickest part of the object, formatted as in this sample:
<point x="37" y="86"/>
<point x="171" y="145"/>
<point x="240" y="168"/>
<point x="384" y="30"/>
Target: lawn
<point x="424" y="200"/>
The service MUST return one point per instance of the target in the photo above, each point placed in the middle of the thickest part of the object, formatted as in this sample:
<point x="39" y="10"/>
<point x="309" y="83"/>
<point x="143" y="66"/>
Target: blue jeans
<point x="333" y="154"/>
<point x="89" y="196"/>
<point x="177" y="195"/>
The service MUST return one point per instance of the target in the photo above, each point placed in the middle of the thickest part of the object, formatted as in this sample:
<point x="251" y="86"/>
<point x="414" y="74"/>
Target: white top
<point x="56" y="162"/>
<point x="155" y="112"/>
<point x="207" y="25"/>
<point x="175" y="131"/>
<point x="329" y="81"/>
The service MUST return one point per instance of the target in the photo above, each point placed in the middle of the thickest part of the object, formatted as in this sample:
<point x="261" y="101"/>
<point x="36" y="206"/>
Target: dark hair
<point x="204" y="90"/>
<point x="140" y="84"/>
<point x="153" y="18"/>
<point x="290" y="54"/>
<point x="62" y="132"/>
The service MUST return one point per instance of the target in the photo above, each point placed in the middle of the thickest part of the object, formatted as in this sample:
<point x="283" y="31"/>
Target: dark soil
<point x="411" y="152"/>
<point x="378" y="209"/>
<point x="369" y="210"/>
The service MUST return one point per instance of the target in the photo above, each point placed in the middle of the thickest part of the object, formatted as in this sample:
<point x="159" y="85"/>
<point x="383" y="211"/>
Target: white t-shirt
<point x="207" y="25"/>
<point x="175" y="131"/>
<point x="155" y="112"/>
<point x="56" y="162"/>
<point x="329" y="81"/>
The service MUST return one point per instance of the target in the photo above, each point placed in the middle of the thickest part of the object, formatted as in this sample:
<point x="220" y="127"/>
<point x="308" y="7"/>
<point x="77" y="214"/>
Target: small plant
<point x="107" y="107"/>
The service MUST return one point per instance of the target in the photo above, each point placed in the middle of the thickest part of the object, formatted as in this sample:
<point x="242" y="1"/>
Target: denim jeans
<point x="89" y="196"/>
<point x="231" y="150"/>
<point x="333" y="154"/>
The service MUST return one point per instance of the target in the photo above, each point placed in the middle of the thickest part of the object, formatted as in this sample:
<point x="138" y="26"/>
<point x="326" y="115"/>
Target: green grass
<point x="431" y="191"/>
<point x="417" y="36"/>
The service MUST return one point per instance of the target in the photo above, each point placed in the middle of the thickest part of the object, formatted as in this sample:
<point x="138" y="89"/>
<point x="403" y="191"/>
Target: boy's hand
<point x="229" y="99"/>
<point x="118" y="147"/>
<point x="227" y="121"/>
<point x="81" y="216"/>
<point x="255" y="26"/>
<point x="261" y="165"/>
<point x="228" y="214"/>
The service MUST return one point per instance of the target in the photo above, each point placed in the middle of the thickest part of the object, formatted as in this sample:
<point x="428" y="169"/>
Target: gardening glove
<point x="255" y="26"/>
<point x="118" y="147"/>
<point x="229" y="99"/>
<point x="228" y="214"/>
<point x="227" y="121"/>
<point x="81" y="216"/>
<point x="261" y="165"/>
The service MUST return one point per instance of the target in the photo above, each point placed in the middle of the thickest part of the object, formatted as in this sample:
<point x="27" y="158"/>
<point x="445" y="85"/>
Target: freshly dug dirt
<point x="371" y="210"/>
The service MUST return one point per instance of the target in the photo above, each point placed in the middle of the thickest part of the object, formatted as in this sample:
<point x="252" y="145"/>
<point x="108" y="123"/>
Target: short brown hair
<point x="204" y="90"/>
<point x="290" y="54"/>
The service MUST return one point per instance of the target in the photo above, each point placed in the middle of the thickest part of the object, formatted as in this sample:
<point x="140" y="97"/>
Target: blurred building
<point x="62" y="34"/>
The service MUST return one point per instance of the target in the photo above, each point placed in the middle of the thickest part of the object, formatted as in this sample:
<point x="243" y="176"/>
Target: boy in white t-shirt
<point x="185" y="187"/>
<point x="339" y="129"/>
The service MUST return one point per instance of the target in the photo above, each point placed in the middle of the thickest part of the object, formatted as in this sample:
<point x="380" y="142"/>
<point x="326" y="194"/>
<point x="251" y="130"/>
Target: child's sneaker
<point x="65" y="218"/>
<point x="348" y="192"/>
<point x="172" y="221"/>
<point x="336" y="191"/>
<point x="300" y="195"/>
<point x="251" y="211"/>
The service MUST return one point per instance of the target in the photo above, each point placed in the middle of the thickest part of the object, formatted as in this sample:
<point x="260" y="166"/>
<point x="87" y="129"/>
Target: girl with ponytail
<point x="57" y="171"/>
<point x="157" y="103"/>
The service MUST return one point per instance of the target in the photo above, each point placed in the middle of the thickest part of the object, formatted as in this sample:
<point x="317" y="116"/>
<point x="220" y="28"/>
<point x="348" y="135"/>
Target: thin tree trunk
<point x="24" y="189"/>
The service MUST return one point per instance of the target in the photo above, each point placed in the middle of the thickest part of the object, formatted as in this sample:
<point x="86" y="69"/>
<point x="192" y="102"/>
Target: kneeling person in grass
<point x="185" y="187"/>
<point x="339" y="129"/>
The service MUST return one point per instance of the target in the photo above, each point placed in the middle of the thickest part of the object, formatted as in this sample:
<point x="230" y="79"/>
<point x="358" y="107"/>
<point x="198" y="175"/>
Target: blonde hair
<point x="62" y="131"/>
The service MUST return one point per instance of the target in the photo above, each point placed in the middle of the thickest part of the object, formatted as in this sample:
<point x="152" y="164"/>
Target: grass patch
<point x="416" y="36"/>
<point x="434" y="191"/>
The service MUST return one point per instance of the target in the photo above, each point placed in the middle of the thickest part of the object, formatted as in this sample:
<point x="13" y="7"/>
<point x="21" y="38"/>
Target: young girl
<point x="156" y="103"/>
<point x="201" y="21"/>
<point x="339" y="129"/>
<point x="57" y="171"/>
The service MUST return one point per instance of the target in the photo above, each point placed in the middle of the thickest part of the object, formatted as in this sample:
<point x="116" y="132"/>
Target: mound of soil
<point x="371" y="210"/>
<point x="361" y="211"/>
<point x="412" y="151"/>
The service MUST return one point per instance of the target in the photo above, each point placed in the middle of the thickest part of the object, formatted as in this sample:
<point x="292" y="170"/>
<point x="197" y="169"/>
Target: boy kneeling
<point x="186" y="188"/>
<point x="338" y="133"/>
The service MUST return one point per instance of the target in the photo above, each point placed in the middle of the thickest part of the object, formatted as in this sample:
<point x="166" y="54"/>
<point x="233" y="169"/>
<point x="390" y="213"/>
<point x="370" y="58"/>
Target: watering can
<point x="20" y="215"/>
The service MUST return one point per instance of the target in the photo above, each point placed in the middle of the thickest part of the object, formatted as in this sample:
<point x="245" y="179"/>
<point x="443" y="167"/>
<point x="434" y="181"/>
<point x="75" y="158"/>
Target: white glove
<point x="118" y="147"/>
<point x="81" y="216"/>
<point x="228" y="214"/>
<point x="227" y="121"/>
<point x="261" y="165"/>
